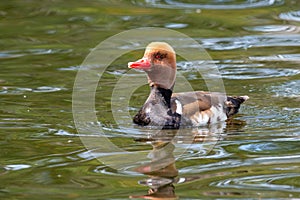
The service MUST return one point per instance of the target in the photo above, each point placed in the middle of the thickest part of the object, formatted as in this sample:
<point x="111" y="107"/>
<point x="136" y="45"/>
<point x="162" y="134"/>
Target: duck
<point x="169" y="110"/>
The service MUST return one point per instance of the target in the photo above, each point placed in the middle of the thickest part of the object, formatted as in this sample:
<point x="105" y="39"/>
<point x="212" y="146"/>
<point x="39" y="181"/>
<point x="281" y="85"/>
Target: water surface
<point x="254" y="44"/>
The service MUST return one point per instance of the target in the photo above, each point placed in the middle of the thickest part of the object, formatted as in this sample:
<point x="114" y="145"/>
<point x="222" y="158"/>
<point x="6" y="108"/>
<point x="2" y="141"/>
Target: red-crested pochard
<point x="172" y="110"/>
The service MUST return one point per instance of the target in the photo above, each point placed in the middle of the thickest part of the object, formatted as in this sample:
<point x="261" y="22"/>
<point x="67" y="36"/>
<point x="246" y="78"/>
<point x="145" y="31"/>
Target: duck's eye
<point x="159" y="56"/>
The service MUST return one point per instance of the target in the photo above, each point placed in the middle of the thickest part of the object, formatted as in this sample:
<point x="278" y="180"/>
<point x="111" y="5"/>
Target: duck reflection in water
<point x="162" y="170"/>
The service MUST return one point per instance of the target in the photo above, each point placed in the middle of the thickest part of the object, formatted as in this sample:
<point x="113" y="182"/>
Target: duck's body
<point x="172" y="110"/>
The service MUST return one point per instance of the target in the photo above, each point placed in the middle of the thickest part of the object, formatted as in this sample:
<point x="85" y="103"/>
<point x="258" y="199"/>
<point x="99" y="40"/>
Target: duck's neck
<point x="164" y="94"/>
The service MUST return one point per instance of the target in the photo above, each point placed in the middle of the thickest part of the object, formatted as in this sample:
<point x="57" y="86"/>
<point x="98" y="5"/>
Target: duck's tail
<point x="233" y="104"/>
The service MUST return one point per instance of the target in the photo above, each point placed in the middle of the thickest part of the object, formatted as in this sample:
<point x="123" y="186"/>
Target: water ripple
<point x="267" y="181"/>
<point x="30" y="52"/>
<point x="250" y="41"/>
<point x="17" y="123"/>
<point x="238" y="69"/>
<point x="19" y="90"/>
<point x="197" y="151"/>
<point x="71" y="68"/>
<point x="176" y="25"/>
<point x="230" y="164"/>
<point x="110" y="171"/>
<point x="289" y="89"/>
<point x="14" y="90"/>
<point x="16" y="167"/>
<point x="274" y="28"/>
<point x="231" y="72"/>
<point x="234" y="4"/>
<point x="277" y="146"/>
<point x="259" y="147"/>
<point x="48" y="89"/>
<point x="290" y="16"/>
<point x="63" y="159"/>
<point x="280" y="57"/>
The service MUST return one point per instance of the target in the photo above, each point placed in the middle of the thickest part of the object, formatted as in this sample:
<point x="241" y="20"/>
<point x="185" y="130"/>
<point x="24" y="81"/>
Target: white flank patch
<point x="178" y="107"/>
<point x="205" y="119"/>
<point x="200" y="119"/>
<point x="217" y="115"/>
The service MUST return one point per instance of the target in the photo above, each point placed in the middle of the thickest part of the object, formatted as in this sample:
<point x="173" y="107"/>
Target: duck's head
<point x="159" y="62"/>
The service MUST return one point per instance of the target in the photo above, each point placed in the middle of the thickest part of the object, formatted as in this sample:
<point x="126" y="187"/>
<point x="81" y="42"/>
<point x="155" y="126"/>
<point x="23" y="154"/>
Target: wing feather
<point x="198" y="101"/>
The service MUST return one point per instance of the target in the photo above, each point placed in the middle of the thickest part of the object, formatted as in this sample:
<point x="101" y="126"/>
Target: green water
<point x="254" y="44"/>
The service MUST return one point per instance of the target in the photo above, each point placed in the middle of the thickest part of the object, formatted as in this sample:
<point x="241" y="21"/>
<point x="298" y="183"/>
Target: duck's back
<point x="201" y="108"/>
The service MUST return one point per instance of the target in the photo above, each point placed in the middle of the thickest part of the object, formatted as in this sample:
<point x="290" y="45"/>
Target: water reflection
<point x="162" y="170"/>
